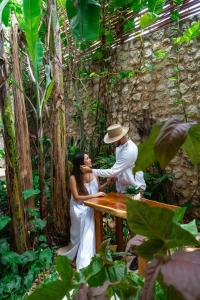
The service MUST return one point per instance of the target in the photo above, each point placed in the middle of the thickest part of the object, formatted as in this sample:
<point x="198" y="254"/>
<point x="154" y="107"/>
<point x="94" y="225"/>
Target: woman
<point x="82" y="232"/>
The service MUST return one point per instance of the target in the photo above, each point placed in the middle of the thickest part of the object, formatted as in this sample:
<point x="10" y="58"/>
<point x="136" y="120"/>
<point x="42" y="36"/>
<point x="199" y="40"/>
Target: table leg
<point x="98" y="229"/>
<point x="142" y="264"/>
<point x="119" y="233"/>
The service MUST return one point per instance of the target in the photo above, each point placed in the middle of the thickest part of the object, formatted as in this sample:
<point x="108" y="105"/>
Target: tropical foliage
<point x="32" y="67"/>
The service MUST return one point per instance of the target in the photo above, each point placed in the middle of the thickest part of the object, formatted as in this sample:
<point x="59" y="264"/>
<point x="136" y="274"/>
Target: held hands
<point x="85" y="169"/>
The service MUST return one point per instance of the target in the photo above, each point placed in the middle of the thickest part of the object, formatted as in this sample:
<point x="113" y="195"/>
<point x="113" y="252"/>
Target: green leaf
<point x="39" y="224"/>
<point x="151" y="223"/>
<point x="151" y="248"/>
<point x="179" y="214"/>
<point x="6" y="14"/>
<point x="29" y="193"/>
<point x="171" y="137"/>
<point x="33" y="212"/>
<point x="189" y="34"/>
<point x="120" y="3"/>
<point x="3" y="5"/>
<point x="180" y="237"/>
<point x="175" y="16"/>
<point x="191" y="227"/>
<point x="4" y="220"/>
<point x="192" y="144"/>
<point x="28" y="280"/>
<point x="45" y="257"/>
<point x="38" y="58"/>
<point x="64" y="269"/>
<point x="55" y="290"/>
<point x="71" y="9"/>
<point x="156" y="6"/>
<point x="11" y="258"/>
<point x="146" y="220"/>
<point x="126" y="74"/>
<point x="147" y="19"/>
<point x="4" y="246"/>
<point x="28" y="256"/>
<point x="85" y="21"/>
<point x="138" y="5"/>
<point x="146" y="155"/>
<point x="160" y="53"/>
<point x="177" y="2"/>
<point x="94" y="267"/>
<point x="128" y="25"/>
<point x="118" y="271"/>
<point x="32" y="21"/>
<point x="42" y="238"/>
<point x="48" y="91"/>
<point x="11" y="283"/>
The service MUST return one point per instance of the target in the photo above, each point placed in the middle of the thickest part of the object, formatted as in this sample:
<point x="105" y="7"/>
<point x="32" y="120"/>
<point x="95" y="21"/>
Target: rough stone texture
<point x="149" y="97"/>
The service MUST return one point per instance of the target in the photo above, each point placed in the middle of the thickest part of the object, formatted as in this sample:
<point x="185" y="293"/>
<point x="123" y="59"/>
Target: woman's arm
<point x="75" y="194"/>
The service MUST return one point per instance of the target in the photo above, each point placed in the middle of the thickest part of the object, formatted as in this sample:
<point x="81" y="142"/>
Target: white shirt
<point x="126" y="156"/>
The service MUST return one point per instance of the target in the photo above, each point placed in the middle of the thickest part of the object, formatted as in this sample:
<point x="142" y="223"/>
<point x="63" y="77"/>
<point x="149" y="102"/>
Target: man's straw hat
<point x="115" y="133"/>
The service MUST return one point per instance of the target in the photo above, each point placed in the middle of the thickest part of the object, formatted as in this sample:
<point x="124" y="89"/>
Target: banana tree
<point x="32" y="22"/>
<point x="12" y="167"/>
<point x="21" y="124"/>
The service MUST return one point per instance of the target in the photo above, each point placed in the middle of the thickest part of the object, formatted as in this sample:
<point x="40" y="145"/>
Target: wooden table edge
<point x="117" y="213"/>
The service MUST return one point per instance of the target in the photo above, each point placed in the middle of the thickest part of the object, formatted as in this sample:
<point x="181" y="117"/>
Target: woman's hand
<point x="99" y="194"/>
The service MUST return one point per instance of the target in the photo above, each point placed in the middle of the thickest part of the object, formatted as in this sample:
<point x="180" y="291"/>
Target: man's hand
<point x="85" y="169"/>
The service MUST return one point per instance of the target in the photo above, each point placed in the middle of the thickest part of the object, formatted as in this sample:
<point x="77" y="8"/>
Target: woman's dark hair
<point x="77" y="162"/>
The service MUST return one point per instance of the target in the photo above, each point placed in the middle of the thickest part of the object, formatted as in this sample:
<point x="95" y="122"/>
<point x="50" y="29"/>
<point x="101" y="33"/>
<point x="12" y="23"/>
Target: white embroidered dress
<point x="82" y="231"/>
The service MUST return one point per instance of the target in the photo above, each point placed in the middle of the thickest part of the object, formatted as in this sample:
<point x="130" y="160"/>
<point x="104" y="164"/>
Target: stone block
<point x="137" y="97"/>
<point x="183" y="88"/>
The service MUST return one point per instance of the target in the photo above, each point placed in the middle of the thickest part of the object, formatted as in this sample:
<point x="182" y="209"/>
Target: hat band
<point x="115" y="132"/>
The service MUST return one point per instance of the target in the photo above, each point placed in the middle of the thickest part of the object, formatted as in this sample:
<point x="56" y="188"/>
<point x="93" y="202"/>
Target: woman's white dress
<point x="82" y="231"/>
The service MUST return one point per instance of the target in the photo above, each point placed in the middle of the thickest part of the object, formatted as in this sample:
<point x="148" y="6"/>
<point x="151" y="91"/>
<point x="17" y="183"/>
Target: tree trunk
<point x="21" y="125"/>
<point x="12" y="168"/>
<point x="59" y="201"/>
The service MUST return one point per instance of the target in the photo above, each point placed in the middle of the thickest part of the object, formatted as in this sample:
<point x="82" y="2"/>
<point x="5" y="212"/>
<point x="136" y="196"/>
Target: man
<point x="126" y="156"/>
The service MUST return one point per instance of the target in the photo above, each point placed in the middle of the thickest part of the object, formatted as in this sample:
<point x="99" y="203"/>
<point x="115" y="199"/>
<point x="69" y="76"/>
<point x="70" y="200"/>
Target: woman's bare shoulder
<point x="72" y="178"/>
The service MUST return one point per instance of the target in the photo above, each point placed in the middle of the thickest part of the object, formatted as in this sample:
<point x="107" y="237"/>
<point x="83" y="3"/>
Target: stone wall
<point x="152" y="95"/>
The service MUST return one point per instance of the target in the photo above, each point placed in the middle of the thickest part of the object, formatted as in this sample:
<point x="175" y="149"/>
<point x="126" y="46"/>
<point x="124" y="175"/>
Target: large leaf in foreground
<point x="64" y="269"/>
<point x="146" y="155"/>
<point x="149" y="221"/>
<point x="181" y="237"/>
<point x="85" y="18"/>
<point x="192" y="144"/>
<point x="183" y="272"/>
<point x="55" y="290"/>
<point x="172" y="136"/>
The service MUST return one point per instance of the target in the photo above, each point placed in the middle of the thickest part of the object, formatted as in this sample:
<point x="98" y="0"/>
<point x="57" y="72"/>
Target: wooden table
<point x="115" y="204"/>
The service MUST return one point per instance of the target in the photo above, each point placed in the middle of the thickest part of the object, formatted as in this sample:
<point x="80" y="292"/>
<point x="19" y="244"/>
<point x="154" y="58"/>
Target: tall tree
<point x="32" y="19"/>
<point x="12" y="168"/>
<point x="21" y="125"/>
<point x="59" y="203"/>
